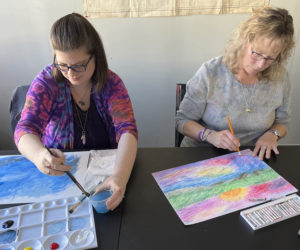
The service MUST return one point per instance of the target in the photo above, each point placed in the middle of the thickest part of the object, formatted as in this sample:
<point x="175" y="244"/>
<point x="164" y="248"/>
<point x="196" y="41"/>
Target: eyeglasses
<point x="259" y="57"/>
<point x="76" y="67"/>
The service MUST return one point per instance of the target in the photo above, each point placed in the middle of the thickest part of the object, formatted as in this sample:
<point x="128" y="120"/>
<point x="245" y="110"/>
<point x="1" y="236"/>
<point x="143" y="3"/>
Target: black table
<point x="145" y="219"/>
<point x="149" y="221"/>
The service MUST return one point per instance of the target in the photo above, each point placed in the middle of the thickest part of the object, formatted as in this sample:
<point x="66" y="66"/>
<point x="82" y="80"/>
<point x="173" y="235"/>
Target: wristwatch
<point x="275" y="132"/>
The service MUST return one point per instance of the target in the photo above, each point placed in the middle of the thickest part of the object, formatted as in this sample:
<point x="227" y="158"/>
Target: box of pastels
<point x="48" y="225"/>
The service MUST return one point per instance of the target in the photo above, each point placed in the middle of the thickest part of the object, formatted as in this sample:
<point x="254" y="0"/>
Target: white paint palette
<point x="39" y="225"/>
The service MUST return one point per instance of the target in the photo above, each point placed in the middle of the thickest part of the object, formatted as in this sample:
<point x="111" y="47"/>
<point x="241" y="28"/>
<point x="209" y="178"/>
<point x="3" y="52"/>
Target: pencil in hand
<point x="232" y="132"/>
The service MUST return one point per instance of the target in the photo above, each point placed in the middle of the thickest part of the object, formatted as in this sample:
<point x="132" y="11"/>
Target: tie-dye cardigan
<point x="47" y="112"/>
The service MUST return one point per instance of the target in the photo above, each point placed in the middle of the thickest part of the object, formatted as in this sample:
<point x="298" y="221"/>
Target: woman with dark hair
<point x="77" y="103"/>
<point x="249" y="84"/>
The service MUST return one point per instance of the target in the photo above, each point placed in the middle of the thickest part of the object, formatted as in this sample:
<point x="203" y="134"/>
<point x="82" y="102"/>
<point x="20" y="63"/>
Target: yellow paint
<point x="28" y="248"/>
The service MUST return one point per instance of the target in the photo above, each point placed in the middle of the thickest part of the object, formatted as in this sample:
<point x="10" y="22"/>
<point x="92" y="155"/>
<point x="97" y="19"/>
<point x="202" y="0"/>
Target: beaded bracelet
<point x="200" y="134"/>
<point x="207" y="134"/>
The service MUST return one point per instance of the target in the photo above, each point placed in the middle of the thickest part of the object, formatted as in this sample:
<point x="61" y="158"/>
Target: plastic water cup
<point x="99" y="201"/>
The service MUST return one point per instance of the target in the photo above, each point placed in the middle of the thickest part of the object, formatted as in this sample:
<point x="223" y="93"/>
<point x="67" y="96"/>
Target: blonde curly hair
<point x="268" y="22"/>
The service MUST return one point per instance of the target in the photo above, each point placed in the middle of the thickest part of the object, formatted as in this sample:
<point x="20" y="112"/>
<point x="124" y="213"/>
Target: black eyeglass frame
<point x="74" y="67"/>
<point x="260" y="57"/>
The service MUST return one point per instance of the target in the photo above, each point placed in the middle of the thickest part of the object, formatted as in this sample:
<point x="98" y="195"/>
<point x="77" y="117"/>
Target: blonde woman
<point x="249" y="84"/>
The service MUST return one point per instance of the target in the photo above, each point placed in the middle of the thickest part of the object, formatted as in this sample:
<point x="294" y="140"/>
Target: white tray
<point x="272" y="212"/>
<point x="38" y="225"/>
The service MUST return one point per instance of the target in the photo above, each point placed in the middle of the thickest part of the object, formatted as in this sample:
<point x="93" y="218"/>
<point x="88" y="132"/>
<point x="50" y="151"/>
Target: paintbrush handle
<point x="75" y="206"/>
<point x="77" y="183"/>
<point x="72" y="177"/>
<point x="79" y="202"/>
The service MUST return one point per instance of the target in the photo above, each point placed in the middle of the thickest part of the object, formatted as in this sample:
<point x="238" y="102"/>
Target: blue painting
<point x="21" y="181"/>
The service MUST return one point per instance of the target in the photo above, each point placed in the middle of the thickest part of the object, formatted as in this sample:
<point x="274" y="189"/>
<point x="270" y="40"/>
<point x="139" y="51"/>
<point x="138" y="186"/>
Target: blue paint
<point x="19" y="177"/>
<point x="8" y="236"/>
<point x="99" y="201"/>
<point x="55" y="228"/>
<point x="78" y="223"/>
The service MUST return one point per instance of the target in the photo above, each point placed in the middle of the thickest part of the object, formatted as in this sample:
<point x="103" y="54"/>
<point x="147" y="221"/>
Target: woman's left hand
<point x="265" y="144"/>
<point x="117" y="185"/>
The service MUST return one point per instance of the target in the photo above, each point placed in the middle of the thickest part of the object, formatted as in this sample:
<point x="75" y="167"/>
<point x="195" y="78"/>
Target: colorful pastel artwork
<point x="22" y="182"/>
<point x="207" y="189"/>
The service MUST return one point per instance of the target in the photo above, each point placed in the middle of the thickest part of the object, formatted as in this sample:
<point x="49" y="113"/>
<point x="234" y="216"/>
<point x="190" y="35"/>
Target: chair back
<point x="16" y="105"/>
<point x="180" y="92"/>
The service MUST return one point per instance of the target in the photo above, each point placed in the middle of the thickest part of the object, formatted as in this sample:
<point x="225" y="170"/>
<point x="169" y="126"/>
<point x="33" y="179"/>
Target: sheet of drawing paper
<point x="22" y="182"/>
<point x="207" y="189"/>
<point x="101" y="164"/>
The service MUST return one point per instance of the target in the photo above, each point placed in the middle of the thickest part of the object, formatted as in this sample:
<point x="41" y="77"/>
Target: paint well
<point x="79" y="223"/>
<point x="8" y="236"/>
<point x="56" y="227"/>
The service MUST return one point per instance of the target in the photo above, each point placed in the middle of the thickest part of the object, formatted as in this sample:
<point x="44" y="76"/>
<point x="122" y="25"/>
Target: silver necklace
<point x="249" y="104"/>
<point x="82" y="125"/>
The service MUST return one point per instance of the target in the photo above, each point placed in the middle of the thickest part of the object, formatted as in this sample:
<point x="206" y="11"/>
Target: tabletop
<point x="145" y="219"/>
<point x="149" y="221"/>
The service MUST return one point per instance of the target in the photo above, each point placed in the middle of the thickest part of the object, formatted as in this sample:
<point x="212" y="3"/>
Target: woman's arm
<point x="220" y="139"/>
<point x="126" y="154"/>
<point x="268" y="142"/>
<point x="32" y="148"/>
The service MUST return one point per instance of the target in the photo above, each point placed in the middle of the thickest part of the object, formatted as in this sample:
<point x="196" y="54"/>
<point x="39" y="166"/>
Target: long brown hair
<point x="72" y="32"/>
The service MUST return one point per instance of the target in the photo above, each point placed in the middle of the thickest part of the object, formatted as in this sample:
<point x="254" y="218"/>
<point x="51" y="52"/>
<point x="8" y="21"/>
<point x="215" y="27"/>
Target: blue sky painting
<point x="21" y="181"/>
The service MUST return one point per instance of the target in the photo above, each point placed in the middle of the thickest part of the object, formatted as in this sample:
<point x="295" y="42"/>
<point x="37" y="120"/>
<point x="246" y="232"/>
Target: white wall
<point x="150" y="54"/>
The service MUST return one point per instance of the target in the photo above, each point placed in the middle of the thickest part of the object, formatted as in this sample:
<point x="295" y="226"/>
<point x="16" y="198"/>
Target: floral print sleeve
<point x="120" y="107"/>
<point x="36" y="111"/>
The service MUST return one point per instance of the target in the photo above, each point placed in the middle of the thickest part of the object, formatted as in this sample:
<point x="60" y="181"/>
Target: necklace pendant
<point x="81" y="103"/>
<point x="83" y="137"/>
<point x="248" y="110"/>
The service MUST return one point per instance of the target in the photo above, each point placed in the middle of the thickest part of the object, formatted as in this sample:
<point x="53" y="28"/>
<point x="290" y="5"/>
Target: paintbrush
<point x="72" y="177"/>
<point x="81" y="199"/>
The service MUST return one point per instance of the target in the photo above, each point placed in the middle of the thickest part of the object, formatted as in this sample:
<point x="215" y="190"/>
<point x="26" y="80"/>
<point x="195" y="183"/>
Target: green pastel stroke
<point x="184" y="197"/>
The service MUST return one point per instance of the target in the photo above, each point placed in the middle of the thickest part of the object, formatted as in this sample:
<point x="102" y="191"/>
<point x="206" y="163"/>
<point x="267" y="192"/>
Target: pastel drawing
<point x="206" y="189"/>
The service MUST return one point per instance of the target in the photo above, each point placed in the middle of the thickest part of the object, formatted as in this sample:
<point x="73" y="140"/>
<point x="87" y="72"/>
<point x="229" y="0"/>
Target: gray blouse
<point x="213" y="93"/>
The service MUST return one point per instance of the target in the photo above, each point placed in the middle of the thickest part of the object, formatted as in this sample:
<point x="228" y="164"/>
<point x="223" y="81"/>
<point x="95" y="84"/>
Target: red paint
<point x="54" y="246"/>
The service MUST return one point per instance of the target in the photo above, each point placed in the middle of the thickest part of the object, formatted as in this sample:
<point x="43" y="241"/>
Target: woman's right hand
<point x="51" y="164"/>
<point x="224" y="139"/>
